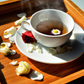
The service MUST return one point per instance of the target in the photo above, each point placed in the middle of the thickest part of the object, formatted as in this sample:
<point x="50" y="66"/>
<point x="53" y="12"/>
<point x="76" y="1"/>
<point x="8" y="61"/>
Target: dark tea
<point x="47" y="26"/>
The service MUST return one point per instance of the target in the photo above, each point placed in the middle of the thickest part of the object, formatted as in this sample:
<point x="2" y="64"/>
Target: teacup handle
<point x="22" y="24"/>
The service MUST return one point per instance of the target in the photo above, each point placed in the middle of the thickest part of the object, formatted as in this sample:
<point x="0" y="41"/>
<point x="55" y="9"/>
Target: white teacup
<point x="50" y="14"/>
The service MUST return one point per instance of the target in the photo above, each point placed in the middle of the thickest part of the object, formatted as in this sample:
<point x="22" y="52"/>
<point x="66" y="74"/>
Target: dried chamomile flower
<point x="4" y="49"/>
<point x="9" y="44"/>
<point x="56" y="31"/>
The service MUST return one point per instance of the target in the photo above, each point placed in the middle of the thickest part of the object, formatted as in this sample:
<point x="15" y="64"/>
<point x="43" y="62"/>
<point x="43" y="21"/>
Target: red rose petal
<point x="28" y="37"/>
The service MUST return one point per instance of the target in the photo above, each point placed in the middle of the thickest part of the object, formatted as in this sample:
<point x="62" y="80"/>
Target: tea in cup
<point x="50" y="27"/>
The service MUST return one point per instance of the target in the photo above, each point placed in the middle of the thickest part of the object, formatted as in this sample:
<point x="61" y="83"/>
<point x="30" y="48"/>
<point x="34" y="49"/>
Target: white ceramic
<point x="50" y="14"/>
<point x="76" y="41"/>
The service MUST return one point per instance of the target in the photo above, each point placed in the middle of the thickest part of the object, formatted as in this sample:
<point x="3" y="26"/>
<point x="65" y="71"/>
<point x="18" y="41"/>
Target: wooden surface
<point x="8" y="12"/>
<point x="75" y="12"/>
<point x="8" y="1"/>
<point x="51" y="72"/>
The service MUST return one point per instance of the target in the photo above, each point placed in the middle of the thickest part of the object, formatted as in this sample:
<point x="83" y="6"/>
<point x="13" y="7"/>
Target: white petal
<point x="18" y="22"/>
<point x="38" y="49"/>
<point x="7" y="36"/>
<point x="9" y="44"/>
<point x="11" y="39"/>
<point x="31" y="47"/>
<point x="35" y="75"/>
<point x="13" y="63"/>
<point x="13" y="52"/>
<point x="52" y="51"/>
<point x="10" y="32"/>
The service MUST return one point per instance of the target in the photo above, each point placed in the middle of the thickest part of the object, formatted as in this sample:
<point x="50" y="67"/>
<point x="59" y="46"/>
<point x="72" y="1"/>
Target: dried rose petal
<point x="28" y="37"/>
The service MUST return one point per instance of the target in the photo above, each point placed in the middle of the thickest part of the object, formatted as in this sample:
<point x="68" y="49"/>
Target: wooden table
<point x="53" y="73"/>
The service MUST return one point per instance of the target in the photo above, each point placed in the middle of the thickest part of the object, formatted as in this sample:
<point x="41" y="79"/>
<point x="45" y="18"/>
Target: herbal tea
<point x="51" y="27"/>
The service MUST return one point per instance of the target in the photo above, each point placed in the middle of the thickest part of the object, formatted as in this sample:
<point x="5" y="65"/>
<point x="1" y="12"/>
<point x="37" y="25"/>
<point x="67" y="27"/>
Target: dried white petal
<point x="13" y="63"/>
<point x="21" y="14"/>
<point x="11" y="39"/>
<point x="18" y="27"/>
<point x="29" y="50"/>
<point x="31" y="47"/>
<point x="4" y="48"/>
<point x="60" y="50"/>
<point x="38" y="49"/>
<point x="23" y="68"/>
<point x="35" y="75"/>
<point x="52" y="51"/>
<point x="69" y="48"/>
<point x="9" y="44"/>
<point x="18" y="22"/>
<point x="9" y="32"/>
<point x="13" y="52"/>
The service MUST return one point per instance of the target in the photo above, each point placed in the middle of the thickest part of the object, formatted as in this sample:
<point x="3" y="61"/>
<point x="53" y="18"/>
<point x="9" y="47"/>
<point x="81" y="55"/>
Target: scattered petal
<point x="69" y="48"/>
<point x="52" y="51"/>
<point x="9" y="44"/>
<point x="13" y="63"/>
<point x="9" y="32"/>
<point x="35" y="75"/>
<point x="13" y="52"/>
<point x="4" y="49"/>
<point x="18" y="27"/>
<point x="11" y="39"/>
<point x="21" y="14"/>
<point x="31" y="47"/>
<point x="60" y="50"/>
<point x="23" y="68"/>
<point x="18" y="22"/>
<point x="28" y="37"/>
<point x="38" y="49"/>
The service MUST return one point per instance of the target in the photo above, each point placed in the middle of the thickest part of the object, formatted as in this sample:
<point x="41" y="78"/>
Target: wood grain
<point x="8" y="1"/>
<point x="70" y="78"/>
<point x="51" y="72"/>
<point x="75" y="12"/>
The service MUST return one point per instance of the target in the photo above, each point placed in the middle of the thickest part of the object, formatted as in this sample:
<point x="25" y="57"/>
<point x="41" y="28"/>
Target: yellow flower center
<point x="3" y="45"/>
<point x="55" y="31"/>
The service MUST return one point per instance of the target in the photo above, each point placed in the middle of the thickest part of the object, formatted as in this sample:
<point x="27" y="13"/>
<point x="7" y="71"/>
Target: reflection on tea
<point x="51" y="27"/>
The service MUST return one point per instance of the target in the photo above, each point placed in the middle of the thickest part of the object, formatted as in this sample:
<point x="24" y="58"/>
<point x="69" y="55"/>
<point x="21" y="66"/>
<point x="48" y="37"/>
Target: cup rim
<point x="51" y="35"/>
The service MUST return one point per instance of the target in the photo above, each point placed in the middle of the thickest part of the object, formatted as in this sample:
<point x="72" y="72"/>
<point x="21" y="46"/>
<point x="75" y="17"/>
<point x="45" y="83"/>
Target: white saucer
<point x="76" y="41"/>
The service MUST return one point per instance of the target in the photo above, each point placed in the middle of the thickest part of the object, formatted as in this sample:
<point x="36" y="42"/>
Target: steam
<point x="35" y="5"/>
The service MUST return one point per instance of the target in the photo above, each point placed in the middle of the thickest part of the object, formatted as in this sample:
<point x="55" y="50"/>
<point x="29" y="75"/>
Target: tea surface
<point x="47" y="26"/>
